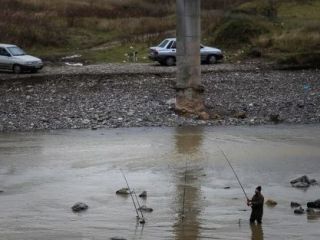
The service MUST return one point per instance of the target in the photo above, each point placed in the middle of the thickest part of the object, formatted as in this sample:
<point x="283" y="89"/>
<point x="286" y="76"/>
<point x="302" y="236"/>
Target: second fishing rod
<point x="141" y="219"/>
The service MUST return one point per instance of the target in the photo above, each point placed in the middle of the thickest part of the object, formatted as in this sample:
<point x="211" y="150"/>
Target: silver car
<point x="14" y="59"/>
<point x="165" y="53"/>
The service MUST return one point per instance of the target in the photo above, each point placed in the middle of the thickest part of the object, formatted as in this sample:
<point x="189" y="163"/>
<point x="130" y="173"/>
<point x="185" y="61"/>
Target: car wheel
<point x="211" y="59"/>
<point x="170" y="61"/>
<point x="17" y="69"/>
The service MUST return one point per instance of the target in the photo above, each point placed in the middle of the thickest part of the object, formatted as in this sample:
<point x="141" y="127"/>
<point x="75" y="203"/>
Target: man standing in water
<point x="256" y="204"/>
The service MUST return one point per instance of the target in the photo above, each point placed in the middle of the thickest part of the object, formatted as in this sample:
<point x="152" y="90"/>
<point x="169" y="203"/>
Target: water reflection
<point x="188" y="142"/>
<point x="313" y="215"/>
<point x="256" y="232"/>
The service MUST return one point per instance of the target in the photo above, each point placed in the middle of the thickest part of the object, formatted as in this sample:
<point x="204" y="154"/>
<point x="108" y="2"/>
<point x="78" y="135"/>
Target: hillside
<point x="285" y="31"/>
<point x="106" y="30"/>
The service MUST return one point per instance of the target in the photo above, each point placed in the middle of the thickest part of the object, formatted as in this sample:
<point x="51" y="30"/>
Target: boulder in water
<point x="79" y="207"/>
<point x="145" y="208"/>
<point x="299" y="210"/>
<point x="271" y="203"/>
<point x="143" y="194"/>
<point x="300" y="179"/>
<point x="295" y="204"/>
<point x="315" y="204"/>
<point x="123" y="191"/>
<point x="302" y="182"/>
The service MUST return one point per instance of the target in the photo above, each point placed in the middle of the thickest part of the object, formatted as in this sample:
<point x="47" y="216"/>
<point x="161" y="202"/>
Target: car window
<point x="16" y="51"/>
<point x="3" y="52"/>
<point x="163" y="43"/>
<point x="169" y="45"/>
<point x="173" y="46"/>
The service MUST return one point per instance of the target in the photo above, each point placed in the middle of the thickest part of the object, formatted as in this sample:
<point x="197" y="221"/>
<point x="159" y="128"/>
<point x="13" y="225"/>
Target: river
<point x="43" y="173"/>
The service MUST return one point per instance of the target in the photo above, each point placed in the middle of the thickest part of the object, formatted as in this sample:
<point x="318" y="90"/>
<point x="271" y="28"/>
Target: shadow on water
<point x="256" y="232"/>
<point x="188" y="143"/>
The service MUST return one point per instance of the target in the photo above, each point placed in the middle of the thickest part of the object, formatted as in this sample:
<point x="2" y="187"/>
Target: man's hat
<point x="259" y="188"/>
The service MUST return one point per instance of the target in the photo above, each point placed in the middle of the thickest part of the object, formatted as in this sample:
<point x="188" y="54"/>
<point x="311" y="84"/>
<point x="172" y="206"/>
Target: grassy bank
<point x="287" y="32"/>
<point x="108" y="30"/>
<point x="57" y="28"/>
<point x="99" y="30"/>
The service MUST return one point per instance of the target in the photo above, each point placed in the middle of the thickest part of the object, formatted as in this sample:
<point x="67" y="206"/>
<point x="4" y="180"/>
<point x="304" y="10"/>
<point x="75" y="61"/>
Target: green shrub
<point x="267" y="8"/>
<point x="238" y="31"/>
<point x="300" y="60"/>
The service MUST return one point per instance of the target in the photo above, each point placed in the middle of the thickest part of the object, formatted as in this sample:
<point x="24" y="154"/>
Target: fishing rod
<point x="225" y="156"/>
<point x="141" y="220"/>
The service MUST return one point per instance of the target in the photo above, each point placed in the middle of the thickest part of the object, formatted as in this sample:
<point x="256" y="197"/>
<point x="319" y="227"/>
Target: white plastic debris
<point x="74" y="64"/>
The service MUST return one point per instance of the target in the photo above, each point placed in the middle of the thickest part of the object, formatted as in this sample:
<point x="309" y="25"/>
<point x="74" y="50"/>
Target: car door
<point x="203" y="54"/>
<point x="5" y="59"/>
<point x="171" y="48"/>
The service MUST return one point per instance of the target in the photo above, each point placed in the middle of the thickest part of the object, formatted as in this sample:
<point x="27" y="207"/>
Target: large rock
<point x="123" y="191"/>
<point x="271" y="203"/>
<point x="315" y="204"/>
<point x="144" y="208"/>
<point x="303" y="179"/>
<point x="299" y="210"/>
<point x="303" y="182"/>
<point x="295" y="204"/>
<point x="79" y="207"/>
<point x="143" y="194"/>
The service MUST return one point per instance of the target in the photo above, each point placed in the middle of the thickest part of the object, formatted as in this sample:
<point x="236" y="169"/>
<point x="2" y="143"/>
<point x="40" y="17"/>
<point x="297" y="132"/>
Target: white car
<point x="165" y="53"/>
<point x="14" y="59"/>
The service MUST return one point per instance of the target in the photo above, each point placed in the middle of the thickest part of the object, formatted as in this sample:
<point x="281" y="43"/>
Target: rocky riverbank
<point x="136" y="95"/>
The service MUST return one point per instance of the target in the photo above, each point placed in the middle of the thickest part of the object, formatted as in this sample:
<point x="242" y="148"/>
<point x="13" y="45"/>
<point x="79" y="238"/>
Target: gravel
<point x="142" y="95"/>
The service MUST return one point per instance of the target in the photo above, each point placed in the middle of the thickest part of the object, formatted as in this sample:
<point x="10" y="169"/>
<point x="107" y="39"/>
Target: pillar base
<point x="190" y="101"/>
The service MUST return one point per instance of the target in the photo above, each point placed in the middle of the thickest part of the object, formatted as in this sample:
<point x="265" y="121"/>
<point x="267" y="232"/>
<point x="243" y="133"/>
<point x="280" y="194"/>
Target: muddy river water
<point x="42" y="174"/>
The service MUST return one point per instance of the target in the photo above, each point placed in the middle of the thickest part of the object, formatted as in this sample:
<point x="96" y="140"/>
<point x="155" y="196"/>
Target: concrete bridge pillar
<point x="189" y="98"/>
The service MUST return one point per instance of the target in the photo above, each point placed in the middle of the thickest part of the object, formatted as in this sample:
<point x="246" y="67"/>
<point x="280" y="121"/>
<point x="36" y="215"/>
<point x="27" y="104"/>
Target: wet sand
<point x="44" y="173"/>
